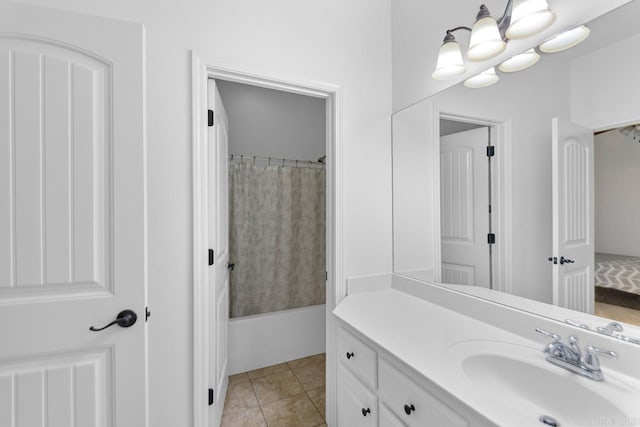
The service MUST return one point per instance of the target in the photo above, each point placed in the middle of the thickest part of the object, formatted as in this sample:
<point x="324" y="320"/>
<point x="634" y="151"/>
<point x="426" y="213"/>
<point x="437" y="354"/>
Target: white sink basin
<point x="519" y="380"/>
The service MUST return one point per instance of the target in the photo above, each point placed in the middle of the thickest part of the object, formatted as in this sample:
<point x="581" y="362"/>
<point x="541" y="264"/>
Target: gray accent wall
<point x="270" y="123"/>
<point x="448" y="127"/>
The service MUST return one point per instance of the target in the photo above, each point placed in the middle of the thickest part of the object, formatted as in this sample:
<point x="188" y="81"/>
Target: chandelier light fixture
<point x="489" y="38"/>
<point x="486" y="78"/>
<point x="520" y="62"/>
<point x="566" y="40"/>
<point x="486" y="41"/>
<point x="529" y="17"/>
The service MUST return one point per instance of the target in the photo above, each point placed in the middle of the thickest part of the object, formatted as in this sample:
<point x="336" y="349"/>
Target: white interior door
<point x="464" y="207"/>
<point x="573" y="247"/>
<point x="218" y="234"/>
<point x="72" y="219"/>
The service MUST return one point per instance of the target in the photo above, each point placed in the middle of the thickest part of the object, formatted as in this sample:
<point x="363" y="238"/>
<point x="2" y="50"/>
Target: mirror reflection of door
<point x="596" y="223"/>
<point x="572" y="179"/>
<point x="465" y="219"/>
<point x="617" y="223"/>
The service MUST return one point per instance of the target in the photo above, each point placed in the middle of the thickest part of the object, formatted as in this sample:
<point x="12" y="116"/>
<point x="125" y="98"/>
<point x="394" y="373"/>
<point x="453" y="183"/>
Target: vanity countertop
<point x="422" y="334"/>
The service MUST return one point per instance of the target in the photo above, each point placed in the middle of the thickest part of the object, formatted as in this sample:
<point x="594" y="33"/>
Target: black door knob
<point x="564" y="260"/>
<point x="408" y="409"/>
<point x="350" y="355"/>
<point x="365" y="412"/>
<point x="125" y="319"/>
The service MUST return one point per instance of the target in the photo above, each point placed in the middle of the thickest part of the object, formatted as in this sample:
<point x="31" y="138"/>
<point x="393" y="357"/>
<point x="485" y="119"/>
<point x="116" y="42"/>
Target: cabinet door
<point x="387" y="419"/>
<point x="357" y="405"/>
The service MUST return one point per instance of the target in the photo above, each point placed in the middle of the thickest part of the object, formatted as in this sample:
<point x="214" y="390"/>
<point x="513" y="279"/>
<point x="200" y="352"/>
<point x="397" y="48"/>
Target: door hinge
<point x="211" y="256"/>
<point x="491" y="150"/>
<point x="210" y="117"/>
<point x="211" y="395"/>
<point x="147" y="314"/>
<point x="491" y="238"/>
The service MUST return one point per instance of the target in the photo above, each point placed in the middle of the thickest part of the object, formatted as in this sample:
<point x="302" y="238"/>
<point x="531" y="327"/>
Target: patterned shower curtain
<point x="277" y="238"/>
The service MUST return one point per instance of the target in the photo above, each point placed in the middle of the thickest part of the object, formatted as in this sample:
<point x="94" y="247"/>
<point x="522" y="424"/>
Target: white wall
<point x="413" y="192"/>
<point x="270" y="123"/>
<point x="617" y="194"/>
<point x="333" y="41"/>
<point x="605" y="89"/>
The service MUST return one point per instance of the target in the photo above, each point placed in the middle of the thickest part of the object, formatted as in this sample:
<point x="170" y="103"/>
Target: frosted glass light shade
<point x="486" y="41"/>
<point x="529" y="17"/>
<point x="486" y="78"/>
<point x="520" y="62"/>
<point x="450" y="62"/>
<point x="565" y="40"/>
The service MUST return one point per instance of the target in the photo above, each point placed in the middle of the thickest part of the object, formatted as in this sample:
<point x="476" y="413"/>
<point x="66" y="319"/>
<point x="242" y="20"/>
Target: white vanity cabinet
<point x="387" y="418"/>
<point x="375" y="390"/>
<point x="415" y="406"/>
<point x="358" y="405"/>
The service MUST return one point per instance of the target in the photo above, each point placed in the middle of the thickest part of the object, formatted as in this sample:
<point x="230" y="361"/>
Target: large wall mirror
<point x="531" y="187"/>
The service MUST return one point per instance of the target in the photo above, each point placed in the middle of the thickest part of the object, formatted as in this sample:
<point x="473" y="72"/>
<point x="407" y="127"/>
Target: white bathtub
<point x="267" y="339"/>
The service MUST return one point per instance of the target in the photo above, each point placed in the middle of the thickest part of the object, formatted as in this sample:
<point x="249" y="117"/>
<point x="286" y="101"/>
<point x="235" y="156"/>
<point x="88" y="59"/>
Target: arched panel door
<point x="573" y="224"/>
<point x="72" y="220"/>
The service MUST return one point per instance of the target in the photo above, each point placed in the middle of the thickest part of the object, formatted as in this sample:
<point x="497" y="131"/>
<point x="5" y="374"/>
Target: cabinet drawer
<point x="357" y="405"/>
<point x="361" y="359"/>
<point x="415" y="406"/>
<point x="388" y="419"/>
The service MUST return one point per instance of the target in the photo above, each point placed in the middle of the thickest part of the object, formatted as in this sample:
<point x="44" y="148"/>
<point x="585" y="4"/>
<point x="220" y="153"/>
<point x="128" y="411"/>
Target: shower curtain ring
<point x="269" y="163"/>
<point x="296" y="163"/>
<point x="241" y="158"/>
<point x="283" y="160"/>
<point x="254" y="160"/>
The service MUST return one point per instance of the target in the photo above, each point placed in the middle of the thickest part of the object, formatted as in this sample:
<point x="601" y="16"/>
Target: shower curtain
<point x="277" y="238"/>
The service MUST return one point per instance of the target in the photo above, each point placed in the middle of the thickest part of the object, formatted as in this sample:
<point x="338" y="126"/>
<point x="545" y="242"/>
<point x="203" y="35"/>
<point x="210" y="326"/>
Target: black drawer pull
<point x="365" y="412"/>
<point x="408" y="409"/>
<point x="350" y="355"/>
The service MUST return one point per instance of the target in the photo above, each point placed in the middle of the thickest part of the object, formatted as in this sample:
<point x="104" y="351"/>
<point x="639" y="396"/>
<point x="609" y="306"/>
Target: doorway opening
<point x="277" y="222"/>
<point x="466" y="219"/>
<point x="213" y="361"/>
<point x="616" y="224"/>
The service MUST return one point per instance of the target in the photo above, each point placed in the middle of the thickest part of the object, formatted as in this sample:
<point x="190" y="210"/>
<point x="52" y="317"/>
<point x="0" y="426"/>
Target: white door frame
<point x="500" y="131"/>
<point x="336" y="288"/>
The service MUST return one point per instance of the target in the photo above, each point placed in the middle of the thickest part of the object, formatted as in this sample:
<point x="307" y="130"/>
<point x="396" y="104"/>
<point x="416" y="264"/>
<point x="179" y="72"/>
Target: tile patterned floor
<point x="285" y="395"/>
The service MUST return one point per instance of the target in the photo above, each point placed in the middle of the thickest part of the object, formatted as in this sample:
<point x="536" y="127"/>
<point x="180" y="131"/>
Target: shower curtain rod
<point x="275" y="160"/>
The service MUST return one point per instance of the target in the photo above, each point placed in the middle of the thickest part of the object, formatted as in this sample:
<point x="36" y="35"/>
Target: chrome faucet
<point x="610" y="329"/>
<point x="572" y="358"/>
<point x="613" y="330"/>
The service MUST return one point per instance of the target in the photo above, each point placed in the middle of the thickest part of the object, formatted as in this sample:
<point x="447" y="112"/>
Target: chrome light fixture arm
<point x="505" y="20"/>
<point x="449" y="35"/>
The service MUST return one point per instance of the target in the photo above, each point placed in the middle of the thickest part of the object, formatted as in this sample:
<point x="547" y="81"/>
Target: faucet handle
<point x="610" y="328"/>
<point x="552" y="335"/>
<point x="591" y="356"/>
<point x="577" y="324"/>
